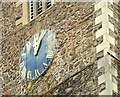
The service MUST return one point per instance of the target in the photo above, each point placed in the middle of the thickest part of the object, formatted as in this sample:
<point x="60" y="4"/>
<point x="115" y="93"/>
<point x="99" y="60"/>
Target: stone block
<point x="68" y="90"/>
<point x="8" y="92"/>
<point x="16" y="60"/>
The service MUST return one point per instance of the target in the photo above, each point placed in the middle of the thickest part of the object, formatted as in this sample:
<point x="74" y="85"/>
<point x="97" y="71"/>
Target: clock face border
<point x="43" y="59"/>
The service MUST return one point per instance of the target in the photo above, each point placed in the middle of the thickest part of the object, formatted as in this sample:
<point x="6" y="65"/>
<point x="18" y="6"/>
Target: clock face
<point x="37" y="54"/>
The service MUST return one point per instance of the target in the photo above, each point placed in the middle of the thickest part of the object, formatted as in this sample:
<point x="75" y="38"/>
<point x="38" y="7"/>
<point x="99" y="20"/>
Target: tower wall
<point x="76" y="67"/>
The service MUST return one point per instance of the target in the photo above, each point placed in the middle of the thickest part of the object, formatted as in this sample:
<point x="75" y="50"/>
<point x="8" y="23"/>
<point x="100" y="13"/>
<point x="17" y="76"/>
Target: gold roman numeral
<point x="23" y="72"/>
<point x="22" y="64"/>
<point x="51" y="43"/>
<point x="37" y="73"/>
<point x="50" y="36"/>
<point x="50" y="54"/>
<point x="23" y="54"/>
<point x="29" y="74"/>
<point x="45" y="65"/>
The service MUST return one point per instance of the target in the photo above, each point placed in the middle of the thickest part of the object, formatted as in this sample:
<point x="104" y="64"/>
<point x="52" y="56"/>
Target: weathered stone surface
<point x="8" y="92"/>
<point x="83" y="83"/>
<point x="68" y="90"/>
<point x="73" y="24"/>
<point x="117" y="35"/>
<point x="16" y="60"/>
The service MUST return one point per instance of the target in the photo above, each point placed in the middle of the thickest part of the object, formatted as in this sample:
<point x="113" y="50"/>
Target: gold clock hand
<point x="38" y="42"/>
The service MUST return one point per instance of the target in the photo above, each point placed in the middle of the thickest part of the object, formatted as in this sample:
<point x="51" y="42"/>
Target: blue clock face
<point x="37" y="54"/>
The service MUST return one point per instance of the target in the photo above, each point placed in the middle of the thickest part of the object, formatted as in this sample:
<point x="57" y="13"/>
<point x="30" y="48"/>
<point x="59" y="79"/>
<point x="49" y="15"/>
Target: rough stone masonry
<point x="75" y="29"/>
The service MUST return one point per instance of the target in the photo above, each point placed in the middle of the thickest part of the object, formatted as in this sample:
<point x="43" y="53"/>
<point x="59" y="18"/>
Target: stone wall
<point x="1" y="79"/>
<point x="117" y="13"/>
<point x="73" y="24"/>
<point x="116" y="49"/>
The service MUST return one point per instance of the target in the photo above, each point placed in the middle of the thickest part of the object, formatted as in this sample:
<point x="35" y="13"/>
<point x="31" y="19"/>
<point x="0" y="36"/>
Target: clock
<point x="37" y="55"/>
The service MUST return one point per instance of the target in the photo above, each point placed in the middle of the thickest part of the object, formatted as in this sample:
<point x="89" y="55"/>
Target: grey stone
<point x="68" y="90"/>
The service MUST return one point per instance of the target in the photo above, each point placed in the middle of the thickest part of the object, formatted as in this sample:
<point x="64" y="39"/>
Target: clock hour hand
<point x="37" y="43"/>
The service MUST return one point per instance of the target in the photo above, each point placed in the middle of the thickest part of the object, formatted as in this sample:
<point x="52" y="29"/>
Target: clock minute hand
<point x="38" y="42"/>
